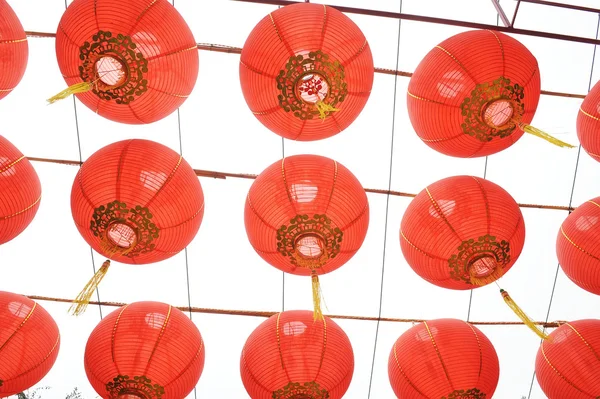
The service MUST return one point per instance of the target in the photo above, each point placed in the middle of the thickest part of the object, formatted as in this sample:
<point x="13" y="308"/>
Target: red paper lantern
<point x="130" y="61"/>
<point x="462" y="232"/>
<point x="20" y="191"/>
<point x="306" y="71"/>
<point x="145" y="350"/>
<point x="445" y="359"/>
<point x="306" y="214"/>
<point x="137" y="202"/>
<point x="292" y="356"/>
<point x="578" y="246"/>
<point x="14" y="50"/>
<point x="29" y="343"/>
<point x="567" y="363"/>
<point x="474" y="94"/>
<point x="588" y="123"/>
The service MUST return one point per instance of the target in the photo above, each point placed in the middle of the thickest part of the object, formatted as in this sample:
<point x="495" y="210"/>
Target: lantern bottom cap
<point x="482" y="266"/>
<point x="498" y="113"/>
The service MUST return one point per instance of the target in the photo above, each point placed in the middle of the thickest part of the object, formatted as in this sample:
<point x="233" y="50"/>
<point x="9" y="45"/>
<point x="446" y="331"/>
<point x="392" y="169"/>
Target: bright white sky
<point x="218" y="132"/>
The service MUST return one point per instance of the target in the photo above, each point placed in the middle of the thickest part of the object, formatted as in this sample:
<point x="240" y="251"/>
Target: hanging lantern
<point x="462" y="233"/>
<point x="588" y="123"/>
<point x="130" y="61"/>
<point x="444" y="358"/>
<point x="292" y="356"/>
<point x="567" y="363"/>
<point x="577" y="246"/>
<point x="29" y="343"/>
<point x="136" y="202"/>
<point x="145" y="350"/>
<point x="475" y="94"/>
<point x="20" y="191"/>
<point x="306" y="215"/>
<point x="306" y="71"/>
<point x="14" y="50"/>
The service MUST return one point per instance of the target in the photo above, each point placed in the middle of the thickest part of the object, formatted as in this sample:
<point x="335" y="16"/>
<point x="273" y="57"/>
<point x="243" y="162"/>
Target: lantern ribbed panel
<point x="138" y="173"/>
<point x="290" y="347"/>
<point x="578" y="246"/>
<point x="29" y="343"/>
<point x="145" y="339"/>
<point x="440" y="357"/>
<point x="462" y="225"/>
<point x="306" y="185"/>
<point x="14" y="51"/>
<point x="567" y="363"/>
<point x="449" y="75"/>
<point x="296" y="30"/>
<point x="161" y="37"/>
<point x="588" y="123"/>
<point x="20" y="191"/>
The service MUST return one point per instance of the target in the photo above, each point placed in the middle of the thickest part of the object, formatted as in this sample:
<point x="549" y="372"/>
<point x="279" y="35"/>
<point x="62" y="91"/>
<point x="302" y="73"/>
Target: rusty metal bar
<point x="512" y="23"/>
<point x="442" y="21"/>
<point x="562" y="5"/>
<point x="501" y="12"/>
<point x="225" y="175"/>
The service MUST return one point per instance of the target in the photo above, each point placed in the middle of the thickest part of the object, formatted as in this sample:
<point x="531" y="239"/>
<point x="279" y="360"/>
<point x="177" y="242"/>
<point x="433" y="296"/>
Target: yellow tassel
<point x="324" y="108"/>
<point x="541" y="134"/>
<point x="76" y="88"/>
<point x="519" y="312"/>
<point x="83" y="299"/>
<point x="316" y="289"/>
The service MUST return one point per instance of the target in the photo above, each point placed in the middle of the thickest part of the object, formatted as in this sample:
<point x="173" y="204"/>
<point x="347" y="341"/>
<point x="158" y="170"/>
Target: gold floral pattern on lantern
<point x="296" y="390"/>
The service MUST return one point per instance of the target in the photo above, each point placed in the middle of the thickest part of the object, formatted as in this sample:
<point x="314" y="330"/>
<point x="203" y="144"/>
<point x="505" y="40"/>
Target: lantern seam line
<point x="166" y="182"/>
<point x="439" y="211"/>
<point x="22" y="211"/>
<point x="333" y="185"/>
<point x="324" y="27"/>
<point x="119" y="169"/>
<point x="114" y="336"/>
<point x="13" y="163"/>
<point x="19" y="327"/>
<point x="13" y="41"/>
<point x="589" y="115"/>
<point x="480" y="352"/>
<point x="135" y="114"/>
<point x="139" y="18"/>
<point x="584" y="341"/>
<point x="438" y="354"/>
<point x="592" y="202"/>
<point x="267" y="112"/>
<point x="189" y="365"/>
<point x="4" y="90"/>
<point x="257" y="71"/>
<point x="251" y="374"/>
<point x="96" y="14"/>
<point x="355" y="56"/>
<point x="39" y="364"/>
<point x="577" y="246"/>
<point x="479" y="149"/>
<point x="67" y="36"/>
<point x="279" y="347"/>
<point x="257" y="215"/>
<point x="501" y="50"/>
<point x="356" y="218"/>
<point x="187" y="220"/>
<point x="442" y="139"/>
<point x="170" y="94"/>
<point x="285" y="43"/>
<point x="486" y="202"/>
<point x="559" y="373"/>
<point x="458" y="62"/>
<point x="172" y="52"/>
<point x="160" y="335"/>
<point x="420" y="250"/>
<point x="404" y="374"/>
<point x="287" y="188"/>
<point x="301" y="127"/>
<point x="336" y="122"/>
<point x="324" y="349"/>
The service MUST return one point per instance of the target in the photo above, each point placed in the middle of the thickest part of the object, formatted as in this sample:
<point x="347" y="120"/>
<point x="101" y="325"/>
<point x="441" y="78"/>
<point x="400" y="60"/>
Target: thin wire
<point x="570" y="199"/>
<point x="387" y="206"/>
<point x="283" y="273"/>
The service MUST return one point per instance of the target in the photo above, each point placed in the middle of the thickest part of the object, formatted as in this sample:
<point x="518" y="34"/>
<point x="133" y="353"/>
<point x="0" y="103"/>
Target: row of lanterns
<point x="306" y="72"/>
<point x="150" y="350"/>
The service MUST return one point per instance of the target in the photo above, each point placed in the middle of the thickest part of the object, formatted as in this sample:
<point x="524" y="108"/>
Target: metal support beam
<point x="501" y="13"/>
<point x="442" y="21"/>
<point x="512" y="23"/>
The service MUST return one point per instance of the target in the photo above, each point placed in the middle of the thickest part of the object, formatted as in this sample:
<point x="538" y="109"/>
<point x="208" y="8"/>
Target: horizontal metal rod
<point x="225" y="175"/>
<point x="256" y="313"/>
<point x="237" y="50"/>
<point x="562" y="5"/>
<point x="441" y="21"/>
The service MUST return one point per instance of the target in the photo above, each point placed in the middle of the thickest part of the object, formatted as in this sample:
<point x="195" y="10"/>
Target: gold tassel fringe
<point x="83" y="299"/>
<point x="324" y="109"/>
<point x="519" y="312"/>
<point x="316" y="289"/>
<point x="74" y="89"/>
<point x="541" y="134"/>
